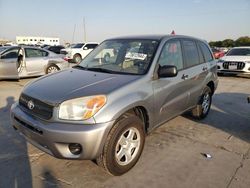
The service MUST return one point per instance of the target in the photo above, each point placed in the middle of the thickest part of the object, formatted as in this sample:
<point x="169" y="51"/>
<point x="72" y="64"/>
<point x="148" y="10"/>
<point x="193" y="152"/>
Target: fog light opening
<point x="75" y="148"/>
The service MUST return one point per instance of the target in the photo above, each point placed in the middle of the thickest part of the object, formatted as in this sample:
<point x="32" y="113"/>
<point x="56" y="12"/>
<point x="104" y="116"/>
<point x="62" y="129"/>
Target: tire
<point x="128" y="130"/>
<point x="203" y="107"/>
<point x="77" y="58"/>
<point x="52" y="69"/>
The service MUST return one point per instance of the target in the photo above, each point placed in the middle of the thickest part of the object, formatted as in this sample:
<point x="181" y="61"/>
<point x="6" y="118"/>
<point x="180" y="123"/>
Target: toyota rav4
<point x="103" y="108"/>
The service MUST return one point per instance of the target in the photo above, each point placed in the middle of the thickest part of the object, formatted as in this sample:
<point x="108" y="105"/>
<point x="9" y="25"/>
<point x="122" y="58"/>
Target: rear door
<point x="196" y="70"/>
<point x="9" y="63"/>
<point x="35" y="61"/>
<point x="170" y="94"/>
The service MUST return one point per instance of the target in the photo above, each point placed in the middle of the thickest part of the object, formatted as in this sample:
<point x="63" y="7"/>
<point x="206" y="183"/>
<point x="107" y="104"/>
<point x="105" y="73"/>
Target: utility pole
<point x="84" y="30"/>
<point x="73" y="38"/>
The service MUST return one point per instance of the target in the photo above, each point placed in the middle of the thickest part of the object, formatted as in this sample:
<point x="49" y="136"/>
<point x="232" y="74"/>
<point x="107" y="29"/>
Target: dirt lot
<point x="171" y="158"/>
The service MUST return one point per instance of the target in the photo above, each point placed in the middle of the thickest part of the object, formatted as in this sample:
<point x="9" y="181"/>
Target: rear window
<point x="191" y="53"/>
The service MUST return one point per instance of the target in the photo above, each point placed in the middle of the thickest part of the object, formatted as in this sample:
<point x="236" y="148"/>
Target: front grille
<point x="238" y="65"/>
<point x="40" y="109"/>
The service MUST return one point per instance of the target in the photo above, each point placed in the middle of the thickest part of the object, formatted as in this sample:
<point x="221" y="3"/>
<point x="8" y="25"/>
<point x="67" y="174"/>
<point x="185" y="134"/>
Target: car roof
<point x="153" y="37"/>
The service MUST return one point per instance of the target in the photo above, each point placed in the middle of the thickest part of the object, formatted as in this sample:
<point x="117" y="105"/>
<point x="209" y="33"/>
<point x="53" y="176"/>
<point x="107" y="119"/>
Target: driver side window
<point x="10" y="54"/>
<point x="172" y="55"/>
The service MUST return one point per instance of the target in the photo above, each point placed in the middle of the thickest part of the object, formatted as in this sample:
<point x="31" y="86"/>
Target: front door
<point x="170" y="94"/>
<point x="9" y="64"/>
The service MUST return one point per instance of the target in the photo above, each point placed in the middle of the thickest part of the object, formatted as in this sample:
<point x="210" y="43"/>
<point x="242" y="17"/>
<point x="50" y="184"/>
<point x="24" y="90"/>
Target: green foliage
<point x="242" y="41"/>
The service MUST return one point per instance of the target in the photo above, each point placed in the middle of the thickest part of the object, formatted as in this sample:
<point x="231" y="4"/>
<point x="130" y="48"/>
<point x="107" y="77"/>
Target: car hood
<point x="73" y="83"/>
<point x="236" y="58"/>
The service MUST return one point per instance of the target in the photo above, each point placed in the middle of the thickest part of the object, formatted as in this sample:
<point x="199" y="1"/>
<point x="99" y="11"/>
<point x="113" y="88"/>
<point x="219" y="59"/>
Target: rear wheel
<point x="52" y="69"/>
<point x="203" y="107"/>
<point x="77" y="58"/>
<point x="123" y="146"/>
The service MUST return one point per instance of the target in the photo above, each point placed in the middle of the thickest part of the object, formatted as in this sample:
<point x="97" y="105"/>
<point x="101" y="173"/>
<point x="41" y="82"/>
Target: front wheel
<point x="203" y="107"/>
<point x="123" y="146"/>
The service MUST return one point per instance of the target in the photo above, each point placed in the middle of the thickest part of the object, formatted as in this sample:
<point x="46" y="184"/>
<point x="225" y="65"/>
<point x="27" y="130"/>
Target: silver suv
<point x="103" y="108"/>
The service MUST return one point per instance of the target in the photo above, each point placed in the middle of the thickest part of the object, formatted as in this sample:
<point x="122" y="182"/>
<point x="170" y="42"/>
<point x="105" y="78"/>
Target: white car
<point x="236" y="61"/>
<point x="78" y="51"/>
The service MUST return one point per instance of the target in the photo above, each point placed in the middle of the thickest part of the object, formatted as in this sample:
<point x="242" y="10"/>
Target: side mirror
<point x="167" y="71"/>
<point x="85" y="48"/>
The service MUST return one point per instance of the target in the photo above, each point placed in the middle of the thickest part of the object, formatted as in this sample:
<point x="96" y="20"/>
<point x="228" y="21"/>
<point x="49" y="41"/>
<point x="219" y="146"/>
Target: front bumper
<point x="245" y="70"/>
<point x="54" y="138"/>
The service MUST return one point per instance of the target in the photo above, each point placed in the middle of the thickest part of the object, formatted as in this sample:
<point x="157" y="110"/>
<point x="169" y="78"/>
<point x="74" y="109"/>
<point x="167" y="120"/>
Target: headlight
<point x="81" y="108"/>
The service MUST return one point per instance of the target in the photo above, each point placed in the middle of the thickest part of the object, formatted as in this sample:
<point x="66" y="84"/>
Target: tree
<point x="228" y="43"/>
<point x="243" y="41"/>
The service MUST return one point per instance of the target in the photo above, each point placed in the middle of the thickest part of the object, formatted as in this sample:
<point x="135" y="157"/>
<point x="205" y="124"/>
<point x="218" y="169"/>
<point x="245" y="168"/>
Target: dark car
<point x="55" y="49"/>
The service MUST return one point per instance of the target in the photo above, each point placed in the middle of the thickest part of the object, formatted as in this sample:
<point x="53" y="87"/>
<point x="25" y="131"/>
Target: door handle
<point x="204" y="68"/>
<point x="184" y="76"/>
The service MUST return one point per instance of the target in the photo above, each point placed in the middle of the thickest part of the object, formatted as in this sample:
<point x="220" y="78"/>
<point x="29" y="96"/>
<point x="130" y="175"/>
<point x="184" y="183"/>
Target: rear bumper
<point x="54" y="138"/>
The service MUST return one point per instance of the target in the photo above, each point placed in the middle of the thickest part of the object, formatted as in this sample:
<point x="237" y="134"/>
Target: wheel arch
<point x="51" y="63"/>
<point x="211" y="85"/>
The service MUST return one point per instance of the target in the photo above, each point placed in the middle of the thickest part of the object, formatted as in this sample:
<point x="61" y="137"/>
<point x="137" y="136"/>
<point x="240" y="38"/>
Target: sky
<point x="207" y="19"/>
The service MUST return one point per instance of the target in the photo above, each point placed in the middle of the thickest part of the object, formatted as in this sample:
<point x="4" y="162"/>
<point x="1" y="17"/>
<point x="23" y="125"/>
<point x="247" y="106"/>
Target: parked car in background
<point x="217" y="53"/>
<point x="236" y="61"/>
<point x="75" y="53"/>
<point x="55" y="49"/>
<point x="18" y="62"/>
<point x="106" y="107"/>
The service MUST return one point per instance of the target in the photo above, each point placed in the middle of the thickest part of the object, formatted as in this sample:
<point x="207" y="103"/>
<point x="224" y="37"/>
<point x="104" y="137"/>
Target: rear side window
<point x="206" y="52"/>
<point x="171" y="54"/>
<point x="35" y="53"/>
<point x="191" y="53"/>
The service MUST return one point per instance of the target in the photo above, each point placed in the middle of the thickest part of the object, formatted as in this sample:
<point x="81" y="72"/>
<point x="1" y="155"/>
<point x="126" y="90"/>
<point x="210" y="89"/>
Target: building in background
<point x="28" y="40"/>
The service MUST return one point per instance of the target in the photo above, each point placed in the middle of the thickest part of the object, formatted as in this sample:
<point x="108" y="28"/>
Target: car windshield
<point x="121" y="56"/>
<point x="239" y="52"/>
<point x="78" y="45"/>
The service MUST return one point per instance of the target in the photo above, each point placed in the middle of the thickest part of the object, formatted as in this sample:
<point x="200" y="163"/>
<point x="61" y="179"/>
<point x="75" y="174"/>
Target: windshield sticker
<point x="133" y="55"/>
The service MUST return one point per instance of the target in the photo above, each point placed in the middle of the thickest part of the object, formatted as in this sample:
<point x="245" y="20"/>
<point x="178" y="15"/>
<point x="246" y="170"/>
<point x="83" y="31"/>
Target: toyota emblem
<point x="31" y="105"/>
